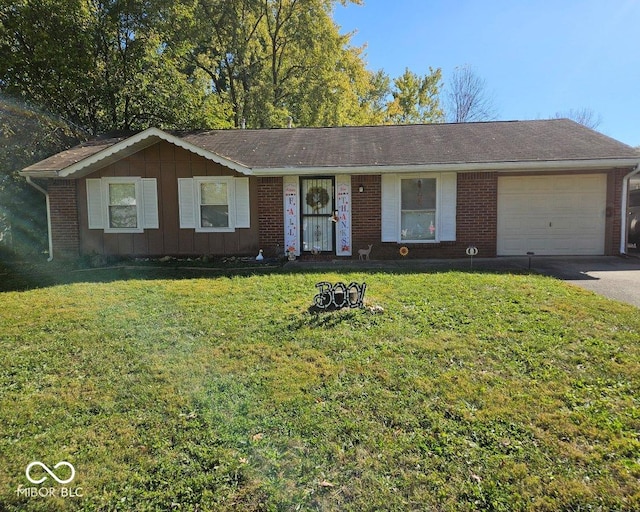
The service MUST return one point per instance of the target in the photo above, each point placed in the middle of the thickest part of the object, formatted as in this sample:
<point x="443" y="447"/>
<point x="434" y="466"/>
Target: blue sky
<point x="538" y="57"/>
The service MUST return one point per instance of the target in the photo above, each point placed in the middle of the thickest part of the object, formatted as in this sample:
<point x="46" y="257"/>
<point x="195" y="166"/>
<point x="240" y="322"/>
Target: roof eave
<point x="538" y="165"/>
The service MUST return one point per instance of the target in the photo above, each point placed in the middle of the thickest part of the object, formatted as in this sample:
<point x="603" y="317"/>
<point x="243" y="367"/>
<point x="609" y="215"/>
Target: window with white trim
<point x="418" y="209"/>
<point x="214" y="203"/>
<point x="122" y="205"/>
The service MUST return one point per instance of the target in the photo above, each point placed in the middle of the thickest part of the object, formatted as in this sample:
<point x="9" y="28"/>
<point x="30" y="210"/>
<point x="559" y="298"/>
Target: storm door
<point x="318" y="233"/>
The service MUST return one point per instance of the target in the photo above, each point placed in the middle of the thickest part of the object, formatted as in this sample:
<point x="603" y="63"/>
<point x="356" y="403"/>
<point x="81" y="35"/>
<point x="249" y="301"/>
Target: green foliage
<point x="416" y="98"/>
<point x="271" y="60"/>
<point x="470" y="392"/>
<point x="100" y="65"/>
<point x="26" y="136"/>
<point x="46" y="55"/>
<point x="110" y="65"/>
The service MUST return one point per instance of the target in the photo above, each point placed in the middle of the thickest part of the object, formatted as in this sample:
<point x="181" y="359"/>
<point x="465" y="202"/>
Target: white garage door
<point x="551" y="215"/>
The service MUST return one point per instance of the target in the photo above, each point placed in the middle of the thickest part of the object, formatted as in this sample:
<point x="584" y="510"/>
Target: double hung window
<point x="418" y="209"/>
<point x="214" y="203"/>
<point x="122" y="205"/>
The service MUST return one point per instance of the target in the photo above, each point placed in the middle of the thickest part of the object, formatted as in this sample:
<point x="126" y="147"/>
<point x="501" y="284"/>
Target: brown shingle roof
<point x="511" y="141"/>
<point x="372" y="146"/>
<point x="75" y="154"/>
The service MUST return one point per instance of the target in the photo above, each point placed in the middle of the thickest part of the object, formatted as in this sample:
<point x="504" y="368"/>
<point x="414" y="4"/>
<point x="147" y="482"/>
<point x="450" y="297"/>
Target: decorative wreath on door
<point x="317" y="198"/>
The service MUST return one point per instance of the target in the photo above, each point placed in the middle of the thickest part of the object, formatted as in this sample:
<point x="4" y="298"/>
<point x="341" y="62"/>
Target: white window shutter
<point x="150" y="203"/>
<point x="243" y="210"/>
<point x="95" y="208"/>
<point x="390" y="208"/>
<point x="447" y="206"/>
<point x="187" y="203"/>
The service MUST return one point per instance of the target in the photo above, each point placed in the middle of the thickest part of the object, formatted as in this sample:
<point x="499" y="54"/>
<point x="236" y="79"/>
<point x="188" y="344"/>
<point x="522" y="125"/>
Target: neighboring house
<point x="552" y="187"/>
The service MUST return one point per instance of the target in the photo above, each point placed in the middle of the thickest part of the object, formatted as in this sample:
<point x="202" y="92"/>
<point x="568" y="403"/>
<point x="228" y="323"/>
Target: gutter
<point x="46" y="195"/>
<point x="624" y="214"/>
<point x="524" y="166"/>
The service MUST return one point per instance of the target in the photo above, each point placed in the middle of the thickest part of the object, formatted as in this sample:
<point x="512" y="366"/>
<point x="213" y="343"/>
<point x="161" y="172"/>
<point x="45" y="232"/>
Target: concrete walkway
<point x="611" y="276"/>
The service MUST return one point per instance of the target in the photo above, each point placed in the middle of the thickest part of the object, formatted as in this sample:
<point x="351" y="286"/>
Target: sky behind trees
<point x="538" y="57"/>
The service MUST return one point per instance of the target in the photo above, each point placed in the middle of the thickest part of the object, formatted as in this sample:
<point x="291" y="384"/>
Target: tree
<point x="100" y="64"/>
<point x="415" y="99"/>
<point x="45" y="55"/>
<point x="271" y="60"/>
<point x="467" y="97"/>
<point x="583" y="116"/>
<point x="27" y="135"/>
<point x="377" y="95"/>
<point x="126" y="65"/>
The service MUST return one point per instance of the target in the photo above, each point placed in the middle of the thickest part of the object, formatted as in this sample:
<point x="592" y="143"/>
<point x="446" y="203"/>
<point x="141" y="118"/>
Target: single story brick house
<point x="552" y="187"/>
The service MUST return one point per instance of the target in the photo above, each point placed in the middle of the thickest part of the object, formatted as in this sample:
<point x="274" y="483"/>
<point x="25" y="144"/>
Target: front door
<point x="318" y="233"/>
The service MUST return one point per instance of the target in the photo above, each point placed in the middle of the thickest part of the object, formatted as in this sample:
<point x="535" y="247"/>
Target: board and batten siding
<point x="166" y="164"/>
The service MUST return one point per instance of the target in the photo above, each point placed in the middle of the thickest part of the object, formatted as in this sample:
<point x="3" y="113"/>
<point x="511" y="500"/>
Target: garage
<point x="551" y="215"/>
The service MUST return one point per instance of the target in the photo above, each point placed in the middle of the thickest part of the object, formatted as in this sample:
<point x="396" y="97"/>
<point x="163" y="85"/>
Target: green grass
<point x="470" y="392"/>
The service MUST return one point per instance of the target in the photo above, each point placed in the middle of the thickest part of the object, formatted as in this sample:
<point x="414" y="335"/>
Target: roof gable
<point x="86" y="158"/>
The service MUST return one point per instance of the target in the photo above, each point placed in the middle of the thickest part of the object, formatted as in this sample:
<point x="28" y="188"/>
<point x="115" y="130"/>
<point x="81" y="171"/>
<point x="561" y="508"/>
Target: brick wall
<point x="64" y="218"/>
<point x="271" y="215"/>
<point x="476" y="219"/>
<point x="365" y="212"/>
<point x="476" y="222"/>
<point x="477" y="215"/>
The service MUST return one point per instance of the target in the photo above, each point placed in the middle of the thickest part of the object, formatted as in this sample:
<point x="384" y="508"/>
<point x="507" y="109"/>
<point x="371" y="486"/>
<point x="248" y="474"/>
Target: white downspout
<point x="625" y="215"/>
<point x="46" y="195"/>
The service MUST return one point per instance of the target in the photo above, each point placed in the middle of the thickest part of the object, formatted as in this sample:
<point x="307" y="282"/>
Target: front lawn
<point x="469" y="391"/>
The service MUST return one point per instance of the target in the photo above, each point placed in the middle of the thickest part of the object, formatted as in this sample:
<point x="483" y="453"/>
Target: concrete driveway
<point x="612" y="276"/>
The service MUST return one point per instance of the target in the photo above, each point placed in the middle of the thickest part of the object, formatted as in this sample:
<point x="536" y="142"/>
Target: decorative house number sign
<point x="339" y="295"/>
